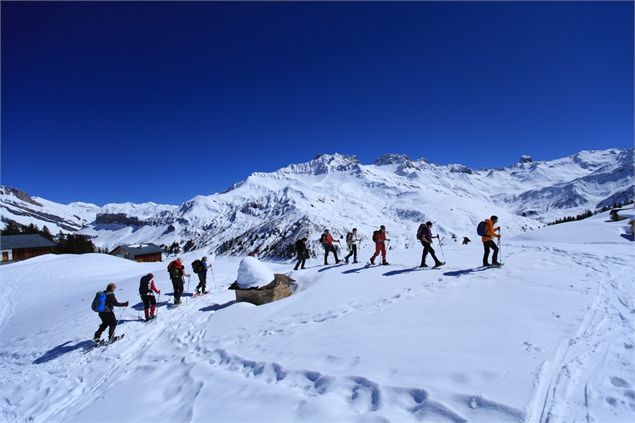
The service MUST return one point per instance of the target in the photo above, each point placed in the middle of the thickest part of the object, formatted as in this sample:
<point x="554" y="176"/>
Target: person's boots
<point x="147" y="313"/>
<point x="438" y="263"/>
<point x="153" y="311"/>
<point x="97" y="336"/>
<point x="372" y="260"/>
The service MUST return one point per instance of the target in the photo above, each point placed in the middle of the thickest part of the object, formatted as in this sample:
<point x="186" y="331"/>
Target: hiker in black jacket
<point x="201" y="272"/>
<point x="108" y="319"/>
<point x="302" y="251"/>
<point x="425" y="236"/>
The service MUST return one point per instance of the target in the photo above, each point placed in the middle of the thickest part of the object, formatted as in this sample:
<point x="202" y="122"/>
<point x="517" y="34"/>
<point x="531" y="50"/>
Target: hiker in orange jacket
<point x="488" y="241"/>
<point x="380" y="245"/>
<point x="327" y="242"/>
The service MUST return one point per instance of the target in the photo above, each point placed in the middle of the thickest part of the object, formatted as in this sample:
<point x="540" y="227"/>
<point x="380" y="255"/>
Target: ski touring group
<point x="486" y="229"/>
<point x="105" y="301"/>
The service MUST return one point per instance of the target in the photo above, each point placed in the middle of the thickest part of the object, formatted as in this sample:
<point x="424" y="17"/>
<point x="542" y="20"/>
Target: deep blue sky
<point x="163" y="101"/>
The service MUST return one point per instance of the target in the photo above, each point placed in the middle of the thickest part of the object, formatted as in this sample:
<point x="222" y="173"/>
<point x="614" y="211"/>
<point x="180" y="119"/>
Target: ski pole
<point x="156" y="315"/>
<point x="121" y="314"/>
<point x="188" y="285"/>
<point x="213" y="277"/>
<point x="441" y="247"/>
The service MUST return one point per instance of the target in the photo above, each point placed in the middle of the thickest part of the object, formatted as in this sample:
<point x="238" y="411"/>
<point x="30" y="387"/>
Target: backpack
<point x="173" y="270"/>
<point x="375" y="236"/>
<point x="171" y="265"/>
<point x="197" y="266"/>
<point x="145" y="287"/>
<point x="480" y="229"/>
<point x="349" y="238"/>
<point x="420" y="231"/>
<point x="99" y="303"/>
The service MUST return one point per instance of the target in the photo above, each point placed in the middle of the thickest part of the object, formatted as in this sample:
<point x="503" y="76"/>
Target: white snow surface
<point x="546" y="338"/>
<point x="252" y="273"/>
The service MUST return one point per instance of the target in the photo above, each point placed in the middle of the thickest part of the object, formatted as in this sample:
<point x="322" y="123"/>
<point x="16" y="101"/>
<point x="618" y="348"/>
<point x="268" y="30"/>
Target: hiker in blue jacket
<point x="108" y="319"/>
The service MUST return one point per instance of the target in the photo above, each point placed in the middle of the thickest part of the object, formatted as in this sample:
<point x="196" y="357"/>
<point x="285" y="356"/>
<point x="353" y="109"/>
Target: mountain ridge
<point x="267" y="210"/>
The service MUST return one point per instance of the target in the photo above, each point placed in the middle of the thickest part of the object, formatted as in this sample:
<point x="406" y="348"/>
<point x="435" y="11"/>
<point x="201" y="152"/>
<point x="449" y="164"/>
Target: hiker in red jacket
<point x="327" y="242"/>
<point x="380" y="245"/>
<point x="147" y="289"/>
<point x="177" y="273"/>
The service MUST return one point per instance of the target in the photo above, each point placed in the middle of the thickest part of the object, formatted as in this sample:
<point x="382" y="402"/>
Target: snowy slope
<point x="268" y="211"/>
<point x="548" y="337"/>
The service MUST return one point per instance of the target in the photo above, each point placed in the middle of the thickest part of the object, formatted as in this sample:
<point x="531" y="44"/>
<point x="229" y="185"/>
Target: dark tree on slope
<point x="12" y="228"/>
<point x="174" y="248"/>
<point x="74" y="244"/>
<point x="189" y="246"/>
<point x="46" y="233"/>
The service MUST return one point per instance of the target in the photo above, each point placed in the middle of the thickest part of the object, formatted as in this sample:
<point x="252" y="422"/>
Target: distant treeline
<point x="66" y="243"/>
<point x="589" y="213"/>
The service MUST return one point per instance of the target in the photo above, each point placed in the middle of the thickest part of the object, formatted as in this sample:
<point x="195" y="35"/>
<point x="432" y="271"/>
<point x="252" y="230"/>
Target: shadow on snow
<point x="62" y="349"/>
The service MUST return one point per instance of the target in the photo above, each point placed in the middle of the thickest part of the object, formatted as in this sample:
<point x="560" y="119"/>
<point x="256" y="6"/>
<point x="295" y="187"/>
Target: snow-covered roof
<point x="140" y="249"/>
<point x="16" y="242"/>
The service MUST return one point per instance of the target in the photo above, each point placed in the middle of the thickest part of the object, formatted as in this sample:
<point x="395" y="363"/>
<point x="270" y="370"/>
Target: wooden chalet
<point x="139" y="252"/>
<point x="22" y="247"/>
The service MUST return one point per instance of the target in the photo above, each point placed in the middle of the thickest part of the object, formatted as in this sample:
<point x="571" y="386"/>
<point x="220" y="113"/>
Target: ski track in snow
<point x="579" y="359"/>
<point x="567" y="388"/>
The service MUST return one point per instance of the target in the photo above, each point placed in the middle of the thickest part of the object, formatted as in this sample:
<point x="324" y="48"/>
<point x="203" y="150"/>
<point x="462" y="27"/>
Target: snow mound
<point x="252" y="273"/>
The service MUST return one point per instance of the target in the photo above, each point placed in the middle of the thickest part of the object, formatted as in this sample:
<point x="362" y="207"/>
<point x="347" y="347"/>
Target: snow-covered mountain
<point x="268" y="211"/>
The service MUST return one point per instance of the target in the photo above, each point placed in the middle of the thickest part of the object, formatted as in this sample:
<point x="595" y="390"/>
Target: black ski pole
<point x="156" y="315"/>
<point x="121" y="315"/>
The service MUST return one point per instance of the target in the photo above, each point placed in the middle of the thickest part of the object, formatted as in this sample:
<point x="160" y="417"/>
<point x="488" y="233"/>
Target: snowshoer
<point x="200" y="268"/>
<point x="147" y="288"/>
<point x="177" y="274"/>
<point x="302" y="252"/>
<point x="489" y="233"/>
<point x="327" y="242"/>
<point x="351" y="242"/>
<point x="425" y="236"/>
<point x="379" y="237"/>
<point x="108" y="319"/>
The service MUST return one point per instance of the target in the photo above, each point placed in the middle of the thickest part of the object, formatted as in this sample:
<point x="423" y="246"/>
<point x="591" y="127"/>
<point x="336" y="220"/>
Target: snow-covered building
<point x="22" y="247"/>
<point x="139" y="252"/>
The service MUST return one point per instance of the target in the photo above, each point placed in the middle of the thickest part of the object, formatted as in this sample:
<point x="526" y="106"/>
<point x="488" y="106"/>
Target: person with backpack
<point x="147" y="288"/>
<point x="351" y="242"/>
<point x="302" y="252"/>
<point x="327" y="242"/>
<point x="200" y="268"/>
<point x="488" y="232"/>
<point x="177" y="274"/>
<point x="106" y="313"/>
<point x="424" y="234"/>
<point x="379" y="237"/>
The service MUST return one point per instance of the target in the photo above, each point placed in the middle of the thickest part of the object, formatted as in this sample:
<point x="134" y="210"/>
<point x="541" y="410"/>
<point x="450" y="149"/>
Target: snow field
<point x="548" y="337"/>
